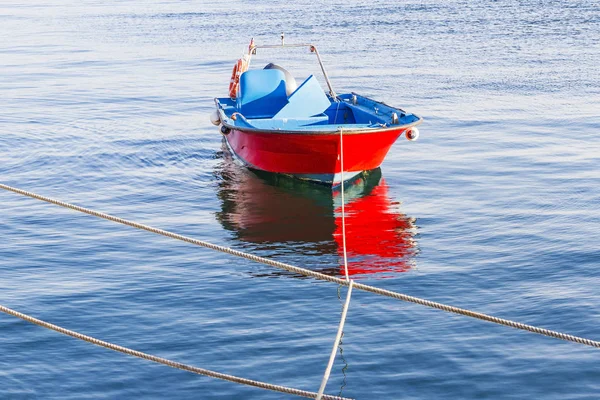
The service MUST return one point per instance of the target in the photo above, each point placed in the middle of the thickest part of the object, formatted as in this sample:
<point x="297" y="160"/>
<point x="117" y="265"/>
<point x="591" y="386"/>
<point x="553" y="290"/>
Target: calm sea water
<point x="496" y="208"/>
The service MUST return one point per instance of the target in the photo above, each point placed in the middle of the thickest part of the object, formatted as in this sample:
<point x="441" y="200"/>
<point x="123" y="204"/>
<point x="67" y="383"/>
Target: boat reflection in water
<point x="379" y="238"/>
<point x="283" y="215"/>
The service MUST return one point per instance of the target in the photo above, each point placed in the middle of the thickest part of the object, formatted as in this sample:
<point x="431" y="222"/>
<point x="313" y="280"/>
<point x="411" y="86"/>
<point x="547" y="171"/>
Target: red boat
<point x="272" y="124"/>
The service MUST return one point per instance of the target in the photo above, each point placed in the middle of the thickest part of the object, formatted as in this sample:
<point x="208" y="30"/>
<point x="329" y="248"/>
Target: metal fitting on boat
<point x="394" y="118"/>
<point x="225" y="130"/>
<point x="214" y="118"/>
<point x="412" y="133"/>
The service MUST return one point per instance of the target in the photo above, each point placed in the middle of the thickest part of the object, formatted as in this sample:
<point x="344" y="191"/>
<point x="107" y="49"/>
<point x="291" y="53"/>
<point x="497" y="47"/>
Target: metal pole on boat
<point x="313" y="49"/>
<point x="331" y="91"/>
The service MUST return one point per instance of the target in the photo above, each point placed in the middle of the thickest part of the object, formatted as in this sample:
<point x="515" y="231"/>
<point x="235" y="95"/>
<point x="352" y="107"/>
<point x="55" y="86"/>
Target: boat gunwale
<point x="349" y="130"/>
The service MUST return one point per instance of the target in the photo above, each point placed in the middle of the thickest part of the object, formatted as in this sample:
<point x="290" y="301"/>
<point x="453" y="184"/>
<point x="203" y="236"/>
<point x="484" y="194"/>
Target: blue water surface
<point x="496" y="207"/>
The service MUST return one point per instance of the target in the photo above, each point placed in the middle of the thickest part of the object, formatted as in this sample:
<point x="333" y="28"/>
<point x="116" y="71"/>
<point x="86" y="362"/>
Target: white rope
<point x="351" y="283"/>
<point x="164" y="361"/>
<point x="336" y="343"/>
<point x="343" y="205"/>
<point x="317" y="275"/>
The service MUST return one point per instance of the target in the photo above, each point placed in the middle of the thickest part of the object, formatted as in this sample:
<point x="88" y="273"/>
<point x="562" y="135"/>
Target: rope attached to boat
<point x="164" y="361"/>
<point x="343" y="205"/>
<point x="336" y="343"/>
<point x="340" y="331"/>
<point x="315" y="274"/>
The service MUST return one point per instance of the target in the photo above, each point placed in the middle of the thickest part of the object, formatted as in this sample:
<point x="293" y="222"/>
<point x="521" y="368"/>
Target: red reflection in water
<point x="276" y="213"/>
<point x="378" y="237"/>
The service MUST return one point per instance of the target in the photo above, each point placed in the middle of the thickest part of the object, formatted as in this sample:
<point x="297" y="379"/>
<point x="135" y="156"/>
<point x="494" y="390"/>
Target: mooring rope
<point x="164" y="361"/>
<point x="340" y="331"/>
<point x="336" y="343"/>
<point x="318" y="275"/>
<point x="343" y="205"/>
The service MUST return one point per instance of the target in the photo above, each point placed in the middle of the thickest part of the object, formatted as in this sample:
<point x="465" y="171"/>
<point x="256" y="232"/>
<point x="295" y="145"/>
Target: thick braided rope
<point x="160" y="360"/>
<point x="317" y="275"/>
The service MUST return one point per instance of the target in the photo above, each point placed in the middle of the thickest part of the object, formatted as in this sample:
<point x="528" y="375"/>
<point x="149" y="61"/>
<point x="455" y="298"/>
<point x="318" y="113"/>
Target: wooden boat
<point x="271" y="124"/>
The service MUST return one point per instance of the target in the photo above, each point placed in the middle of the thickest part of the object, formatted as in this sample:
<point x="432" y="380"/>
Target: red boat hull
<point x="312" y="155"/>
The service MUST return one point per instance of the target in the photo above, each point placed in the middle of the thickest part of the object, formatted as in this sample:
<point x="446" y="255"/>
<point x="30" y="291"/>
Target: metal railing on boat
<point x="312" y="48"/>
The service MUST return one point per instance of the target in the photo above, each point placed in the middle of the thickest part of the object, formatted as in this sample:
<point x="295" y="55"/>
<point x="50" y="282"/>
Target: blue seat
<point x="262" y="93"/>
<point x="307" y="101"/>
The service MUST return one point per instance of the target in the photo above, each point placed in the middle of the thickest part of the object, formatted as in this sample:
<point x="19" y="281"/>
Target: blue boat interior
<point x="262" y="103"/>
